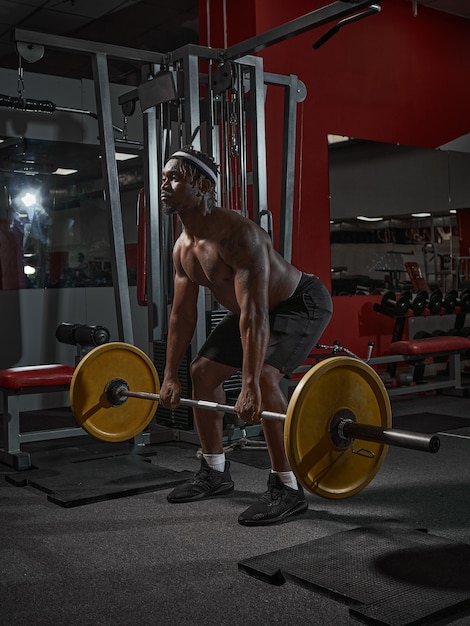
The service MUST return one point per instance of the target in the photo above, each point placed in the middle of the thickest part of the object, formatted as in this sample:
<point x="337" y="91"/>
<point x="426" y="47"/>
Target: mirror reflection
<point x="370" y="257"/>
<point x="393" y="208"/>
<point x="53" y="222"/>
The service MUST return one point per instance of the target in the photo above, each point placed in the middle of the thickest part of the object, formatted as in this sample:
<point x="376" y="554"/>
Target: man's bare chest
<point x="204" y="265"/>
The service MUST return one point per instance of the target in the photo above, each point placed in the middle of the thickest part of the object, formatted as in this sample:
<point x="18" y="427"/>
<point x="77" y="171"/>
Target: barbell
<point x="321" y="425"/>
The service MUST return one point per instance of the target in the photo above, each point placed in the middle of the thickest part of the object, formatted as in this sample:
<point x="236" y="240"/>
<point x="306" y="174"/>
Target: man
<point x="276" y="315"/>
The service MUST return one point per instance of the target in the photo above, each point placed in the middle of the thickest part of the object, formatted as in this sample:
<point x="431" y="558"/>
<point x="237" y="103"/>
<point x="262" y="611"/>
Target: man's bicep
<point x="185" y="293"/>
<point x="252" y="285"/>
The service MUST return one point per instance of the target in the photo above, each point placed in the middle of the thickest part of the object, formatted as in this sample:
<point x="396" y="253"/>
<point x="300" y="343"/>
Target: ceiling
<point x="145" y="24"/>
<point x="132" y="23"/>
<point x="456" y="7"/>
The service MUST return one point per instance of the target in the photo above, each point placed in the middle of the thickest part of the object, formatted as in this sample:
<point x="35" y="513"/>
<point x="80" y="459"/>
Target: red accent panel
<point x="36" y="376"/>
<point x="355" y="323"/>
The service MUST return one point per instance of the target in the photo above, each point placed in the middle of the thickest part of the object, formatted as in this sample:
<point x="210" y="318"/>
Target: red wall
<point x="392" y="77"/>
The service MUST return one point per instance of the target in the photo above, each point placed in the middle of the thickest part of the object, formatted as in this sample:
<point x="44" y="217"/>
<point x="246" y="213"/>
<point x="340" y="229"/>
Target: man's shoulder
<point x="236" y="217"/>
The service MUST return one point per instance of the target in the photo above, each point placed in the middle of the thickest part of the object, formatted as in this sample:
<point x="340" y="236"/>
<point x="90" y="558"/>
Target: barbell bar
<point x="322" y="432"/>
<point x="343" y="426"/>
<point x="117" y="391"/>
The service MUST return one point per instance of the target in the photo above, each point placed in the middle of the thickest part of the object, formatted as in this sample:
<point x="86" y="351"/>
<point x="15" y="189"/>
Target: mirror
<point x="391" y="205"/>
<point x="53" y="224"/>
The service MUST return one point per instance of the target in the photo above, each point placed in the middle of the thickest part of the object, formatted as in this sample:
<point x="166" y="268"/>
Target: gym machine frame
<point x="187" y="60"/>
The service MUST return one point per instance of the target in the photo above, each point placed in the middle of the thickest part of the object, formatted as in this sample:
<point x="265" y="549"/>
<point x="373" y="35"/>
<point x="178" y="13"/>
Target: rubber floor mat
<point x="94" y="480"/>
<point x="388" y="574"/>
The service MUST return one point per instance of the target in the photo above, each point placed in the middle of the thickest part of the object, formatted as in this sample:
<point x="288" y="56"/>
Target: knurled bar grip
<point x="200" y="404"/>
<point x="349" y="429"/>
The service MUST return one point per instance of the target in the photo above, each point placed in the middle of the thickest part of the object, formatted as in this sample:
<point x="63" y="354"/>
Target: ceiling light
<point x="421" y="215"/>
<point x="28" y="199"/>
<point x="453" y="211"/>
<point x="29" y="270"/>
<point x="125" y="156"/>
<point x="337" y="139"/>
<point x="363" y="218"/>
<point x="63" y="171"/>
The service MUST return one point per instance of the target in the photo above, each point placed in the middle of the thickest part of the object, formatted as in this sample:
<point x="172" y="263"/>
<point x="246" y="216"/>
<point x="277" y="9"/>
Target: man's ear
<point x="205" y="185"/>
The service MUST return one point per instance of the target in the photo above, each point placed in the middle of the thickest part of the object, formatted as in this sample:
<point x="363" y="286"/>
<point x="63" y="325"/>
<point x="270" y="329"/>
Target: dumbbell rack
<point x="435" y="304"/>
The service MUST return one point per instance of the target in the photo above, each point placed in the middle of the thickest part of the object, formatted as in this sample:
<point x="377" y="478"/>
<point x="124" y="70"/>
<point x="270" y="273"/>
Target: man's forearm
<point x="180" y="334"/>
<point x="254" y="332"/>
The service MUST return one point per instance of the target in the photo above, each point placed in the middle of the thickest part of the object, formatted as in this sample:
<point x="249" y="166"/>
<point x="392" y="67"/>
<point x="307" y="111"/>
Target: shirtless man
<point x="276" y="315"/>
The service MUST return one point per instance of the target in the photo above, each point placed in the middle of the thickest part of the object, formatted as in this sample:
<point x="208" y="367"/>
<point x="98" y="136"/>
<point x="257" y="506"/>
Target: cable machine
<point x="214" y="100"/>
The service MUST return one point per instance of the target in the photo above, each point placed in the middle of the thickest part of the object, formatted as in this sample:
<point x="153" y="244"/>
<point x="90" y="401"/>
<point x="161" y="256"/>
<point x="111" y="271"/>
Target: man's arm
<point x="251" y="283"/>
<point x="182" y="323"/>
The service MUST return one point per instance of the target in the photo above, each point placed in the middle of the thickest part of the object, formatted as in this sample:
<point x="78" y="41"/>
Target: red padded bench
<point x="446" y="344"/>
<point x="414" y="350"/>
<point x="18" y="381"/>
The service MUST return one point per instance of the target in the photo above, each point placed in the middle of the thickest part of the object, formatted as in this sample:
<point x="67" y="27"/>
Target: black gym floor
<point x="139" y="560"/>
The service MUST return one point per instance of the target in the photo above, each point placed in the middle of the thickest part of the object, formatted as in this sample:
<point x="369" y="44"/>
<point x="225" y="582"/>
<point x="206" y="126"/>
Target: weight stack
<point x="182" y="417"/>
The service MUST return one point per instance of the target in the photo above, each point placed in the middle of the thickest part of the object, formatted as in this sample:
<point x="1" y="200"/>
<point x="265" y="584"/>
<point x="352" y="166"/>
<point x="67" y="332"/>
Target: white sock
<point x="288" y="478"/>
<point x="216" y="461"/>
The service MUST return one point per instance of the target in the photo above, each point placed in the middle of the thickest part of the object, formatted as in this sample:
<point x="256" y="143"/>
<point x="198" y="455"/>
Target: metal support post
<point x="112" y="198"/>
<point x="192" y="122"/>
<point x="258" y="133"/>
<point x="294" y="92"/>
<point x="156" y="301"/>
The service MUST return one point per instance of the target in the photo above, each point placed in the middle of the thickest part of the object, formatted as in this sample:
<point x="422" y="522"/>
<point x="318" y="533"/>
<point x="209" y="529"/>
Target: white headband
<point x="200" y="164"/>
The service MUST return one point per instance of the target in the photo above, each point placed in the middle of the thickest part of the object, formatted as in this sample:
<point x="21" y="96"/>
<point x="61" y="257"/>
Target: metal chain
<point x="233" y="120"/>
<point x="20" y="81"/>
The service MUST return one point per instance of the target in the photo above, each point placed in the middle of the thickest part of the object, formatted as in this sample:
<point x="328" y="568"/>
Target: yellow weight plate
<point x="339" y="382"/>
<point x="88" y="399"/>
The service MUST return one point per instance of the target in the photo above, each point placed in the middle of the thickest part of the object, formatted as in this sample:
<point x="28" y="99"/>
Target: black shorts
<point x="296" y="325"/>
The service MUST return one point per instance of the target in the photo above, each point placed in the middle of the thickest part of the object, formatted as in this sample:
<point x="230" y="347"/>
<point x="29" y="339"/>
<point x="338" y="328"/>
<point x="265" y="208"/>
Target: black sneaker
<point x="206" y="482"/>
<point x="278" y="504"/>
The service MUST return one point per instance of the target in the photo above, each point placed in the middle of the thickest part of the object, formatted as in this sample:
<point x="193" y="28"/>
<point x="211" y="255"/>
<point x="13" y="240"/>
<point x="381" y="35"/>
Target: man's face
<point x="177" y="192"/>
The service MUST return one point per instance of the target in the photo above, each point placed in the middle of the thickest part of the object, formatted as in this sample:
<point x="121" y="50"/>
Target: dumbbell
<point x="463" y="301"/>
<point x="460" y="332"/>
<point x="418" y="303"/>
<point x="82" y="335"/>
<point x="435" y="302"/>
<point x="422" y="334"/>
<point x="399" y="307"/>
<point x="450" y="300"/>
<point x="404" y="377"/>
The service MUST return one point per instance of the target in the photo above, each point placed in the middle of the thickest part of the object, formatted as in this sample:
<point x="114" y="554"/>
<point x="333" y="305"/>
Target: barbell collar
<point x="114" y="391"/>
<point x="391" y="437"/>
